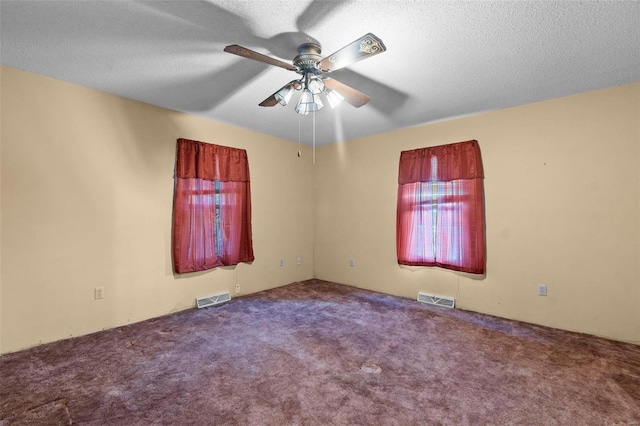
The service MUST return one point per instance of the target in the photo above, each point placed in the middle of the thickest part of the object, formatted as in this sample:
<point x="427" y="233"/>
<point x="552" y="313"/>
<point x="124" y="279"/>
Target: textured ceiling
<point x="443" y="59"/>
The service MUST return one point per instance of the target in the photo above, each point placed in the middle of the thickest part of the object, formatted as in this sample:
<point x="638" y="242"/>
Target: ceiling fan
<point x="312" y="67"/>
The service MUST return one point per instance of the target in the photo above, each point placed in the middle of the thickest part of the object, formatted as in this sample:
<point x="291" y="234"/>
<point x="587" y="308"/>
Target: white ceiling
<point x="444" y="59"/>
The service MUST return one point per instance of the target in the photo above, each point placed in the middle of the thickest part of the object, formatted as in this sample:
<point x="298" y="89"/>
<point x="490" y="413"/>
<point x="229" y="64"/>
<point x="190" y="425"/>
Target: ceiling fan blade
<point x="351" y="95"/>
<point x="365" y="47"/>
<point x="250" y="54"/>
<point x="269" y="102"/>
<point x="391" y="99"/>
<point x="272" y="101"/>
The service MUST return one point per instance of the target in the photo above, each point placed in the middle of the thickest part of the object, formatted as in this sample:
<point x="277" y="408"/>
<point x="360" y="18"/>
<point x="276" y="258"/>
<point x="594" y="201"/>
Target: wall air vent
<point x="214" y="299"/>
<point x="430" y="299"/>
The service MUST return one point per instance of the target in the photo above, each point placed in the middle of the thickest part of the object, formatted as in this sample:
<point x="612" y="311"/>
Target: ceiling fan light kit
<point x="312" y="67"/>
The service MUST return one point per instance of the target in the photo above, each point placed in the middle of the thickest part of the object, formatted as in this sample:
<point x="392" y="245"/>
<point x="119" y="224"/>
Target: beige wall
<point x="87" y="187"/>
<point x="86" y="192"/>
<point x="562" y="199"/>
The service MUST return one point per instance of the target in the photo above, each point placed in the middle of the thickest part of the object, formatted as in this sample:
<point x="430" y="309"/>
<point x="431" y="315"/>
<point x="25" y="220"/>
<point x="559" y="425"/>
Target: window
<point x="440" y="214"/>
<point x="212" y="207"/>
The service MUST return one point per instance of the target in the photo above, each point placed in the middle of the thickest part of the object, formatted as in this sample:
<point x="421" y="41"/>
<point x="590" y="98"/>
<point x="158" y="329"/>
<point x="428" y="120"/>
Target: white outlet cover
<point x="98" y="293"/>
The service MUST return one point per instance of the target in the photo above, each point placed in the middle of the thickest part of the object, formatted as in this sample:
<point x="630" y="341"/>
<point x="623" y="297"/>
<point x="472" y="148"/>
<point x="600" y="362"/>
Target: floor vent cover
<point x="430" y="299"/>
<point x="214" y="299"/>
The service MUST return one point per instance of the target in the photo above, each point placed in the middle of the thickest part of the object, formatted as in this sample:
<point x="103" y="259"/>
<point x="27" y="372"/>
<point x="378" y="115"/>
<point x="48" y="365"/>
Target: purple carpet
<point x="318" y="353"/>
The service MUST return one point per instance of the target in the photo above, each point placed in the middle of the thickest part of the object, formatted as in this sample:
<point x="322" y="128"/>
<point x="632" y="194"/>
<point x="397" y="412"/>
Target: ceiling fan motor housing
<point x="308" y="58"/>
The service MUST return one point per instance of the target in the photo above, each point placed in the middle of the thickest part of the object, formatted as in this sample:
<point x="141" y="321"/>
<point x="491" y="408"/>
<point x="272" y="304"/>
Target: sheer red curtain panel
<point x="440" y="210"/>
<point x="211" y="208"/>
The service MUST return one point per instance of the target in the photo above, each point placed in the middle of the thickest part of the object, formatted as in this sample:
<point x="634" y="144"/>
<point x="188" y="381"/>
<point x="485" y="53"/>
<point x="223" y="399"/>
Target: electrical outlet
<point x="542" y="290"/>
<point x="237" y="288"/>
<point x="352" y="262"/>
<point x="281" y="262"/>
<point x="98" y="293"/>
<point x="299" y="262"/>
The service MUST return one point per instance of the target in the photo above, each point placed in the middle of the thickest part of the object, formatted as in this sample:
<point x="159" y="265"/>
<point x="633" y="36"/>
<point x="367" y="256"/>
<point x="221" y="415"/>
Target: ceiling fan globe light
<point x="303" y="104"/>
<point x="334" y="98"/>
<point x="302" y="109"/>
<point x="307" y="97"/>
<point x="317" y="103"/>
<point x="283" y="96"/>
<point x="316" y="85"/>
<point x="308" y="103"/>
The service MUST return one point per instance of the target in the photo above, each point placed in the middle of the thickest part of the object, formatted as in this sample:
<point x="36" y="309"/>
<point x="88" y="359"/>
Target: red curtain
<point x="440" y="215"/>
<point x="212" y="207"/>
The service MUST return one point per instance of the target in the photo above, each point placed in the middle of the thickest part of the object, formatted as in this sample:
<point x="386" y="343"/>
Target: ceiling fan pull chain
<point x="314" y="137"/>
<point x="299" y="152"/>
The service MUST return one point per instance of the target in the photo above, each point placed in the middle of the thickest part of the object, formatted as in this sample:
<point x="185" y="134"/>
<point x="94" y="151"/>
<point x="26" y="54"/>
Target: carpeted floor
<point x="318" y="353"/>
